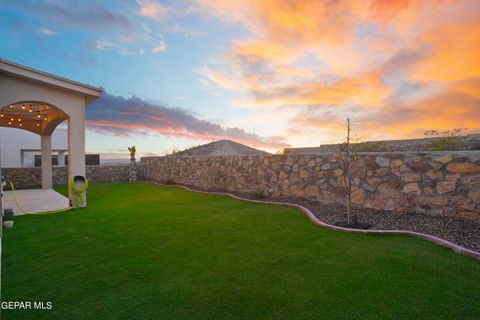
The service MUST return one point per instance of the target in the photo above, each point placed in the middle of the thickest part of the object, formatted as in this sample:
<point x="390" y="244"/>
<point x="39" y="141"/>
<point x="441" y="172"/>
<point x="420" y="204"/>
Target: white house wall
<point x="12" y="140"/>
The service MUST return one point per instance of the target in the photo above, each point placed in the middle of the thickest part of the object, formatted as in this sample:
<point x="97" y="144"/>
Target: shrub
<point x="449" y="140"/>
<point x="169" y="180"/>
<point x="259" y="194"/>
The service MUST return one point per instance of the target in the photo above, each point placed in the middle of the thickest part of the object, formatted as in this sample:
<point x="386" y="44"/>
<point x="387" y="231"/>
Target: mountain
<point x="220" y="148"/>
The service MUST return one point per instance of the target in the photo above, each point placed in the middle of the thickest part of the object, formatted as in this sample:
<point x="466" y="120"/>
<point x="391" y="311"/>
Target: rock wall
<point x="31" y="177"/>
<point x="429" y="182"/>
<point x="472" y="142"/>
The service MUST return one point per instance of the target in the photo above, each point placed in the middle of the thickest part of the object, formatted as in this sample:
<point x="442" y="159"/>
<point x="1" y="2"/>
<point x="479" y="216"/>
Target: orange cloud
<point x="398" y="67"/>
<point x="451" y="108"/>
<point x="151" y="9"/>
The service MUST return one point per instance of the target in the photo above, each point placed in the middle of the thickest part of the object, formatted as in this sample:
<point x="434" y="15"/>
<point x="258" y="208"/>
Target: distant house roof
<point x="21" y="71"/>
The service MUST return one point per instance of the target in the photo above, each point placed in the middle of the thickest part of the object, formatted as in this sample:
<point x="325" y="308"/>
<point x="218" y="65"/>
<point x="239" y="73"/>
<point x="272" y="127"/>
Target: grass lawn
<point x="141" y="251"/>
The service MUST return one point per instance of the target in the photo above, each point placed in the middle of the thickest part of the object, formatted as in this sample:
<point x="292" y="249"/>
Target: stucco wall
<point x="431" y="182"/>
<point x="31" y="177"/>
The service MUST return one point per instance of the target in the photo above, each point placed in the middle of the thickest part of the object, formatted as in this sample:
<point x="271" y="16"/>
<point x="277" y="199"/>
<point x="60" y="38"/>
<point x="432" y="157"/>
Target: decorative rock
<point x="412" y="188"/>
<point x="452" y="177"/>
<point x="369" y="187"/>
<point x="312" y="192"/>
<point x="382" y="162"/>
<point x="358" y="168"/>
<point x="435" y="165"/>
<point x="411" y="177"/>
<point x="446" y="187"/>
<point x="388" y="191"/>
<point x="443" y="159"/>
<point x="381" y="172"/>
<point x="433" y="201"/>
<point x="419" y="166"/>
<point x="337" y="172"/>
<point x="358" y="197"/>
<point x="304" y="174"/>
<point x="434" y="175"/>
<point x="326" y="166"/>
<point x="282" y="175"/>
<point x="395" y="166"/>
<point x="373" y="180"/>
<point x="463" y="167"/>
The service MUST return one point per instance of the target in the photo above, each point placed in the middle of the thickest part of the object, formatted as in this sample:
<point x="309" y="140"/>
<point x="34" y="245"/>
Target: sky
<point x="267" y="73"/>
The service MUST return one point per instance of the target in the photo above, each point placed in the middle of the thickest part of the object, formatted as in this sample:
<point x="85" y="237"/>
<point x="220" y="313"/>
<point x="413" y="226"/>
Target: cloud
<point x="79" y="14"/>
<point x="121" y="48"/>
<point x="106" y="28"/>
<point x="397" y="68"/>
<point x="213" y="78"/>
<point x="457" y="106"/>
<point x="118" y="116"/>
<point x="161" y="46"/>
<point x="47" y="32"/>
<point x="151" y="9"/>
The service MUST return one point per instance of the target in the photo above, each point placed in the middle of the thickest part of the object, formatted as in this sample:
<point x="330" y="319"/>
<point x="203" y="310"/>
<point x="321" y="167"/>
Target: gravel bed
<point x="460" y="231"/>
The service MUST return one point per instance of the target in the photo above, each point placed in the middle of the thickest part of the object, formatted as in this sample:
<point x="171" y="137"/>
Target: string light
<point x="38" y="114"/>
<point x="1" y="115"/>
<point x="23" y="107"/>
<point x="11" y="119"/>
<point x="9" y="122"/>
<point x="45" y="118"/>
<point x="38" y="124"/>
<point x="19" y="119"/>
<point x="30" y="110"/>
<point x="20" y="124"/>
<point x="11" y="106"/>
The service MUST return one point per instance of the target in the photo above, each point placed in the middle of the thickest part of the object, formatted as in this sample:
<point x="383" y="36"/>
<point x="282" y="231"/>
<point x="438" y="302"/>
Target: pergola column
<point x="46" y="142"/>
<point x="76" y="144"/>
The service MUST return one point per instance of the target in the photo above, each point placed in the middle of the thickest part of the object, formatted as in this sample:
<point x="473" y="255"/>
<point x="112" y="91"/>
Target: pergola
<point x="38" y="102"/>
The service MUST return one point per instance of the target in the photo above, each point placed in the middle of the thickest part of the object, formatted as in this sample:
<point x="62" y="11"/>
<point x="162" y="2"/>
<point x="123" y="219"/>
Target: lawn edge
<point x="439" y="241"/>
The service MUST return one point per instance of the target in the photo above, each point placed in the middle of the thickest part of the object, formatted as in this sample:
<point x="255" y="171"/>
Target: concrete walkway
<point x="35" y="200"/>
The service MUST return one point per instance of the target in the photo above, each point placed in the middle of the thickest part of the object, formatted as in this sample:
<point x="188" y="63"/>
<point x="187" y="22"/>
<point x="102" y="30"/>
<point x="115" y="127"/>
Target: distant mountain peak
<point x="220" y="148"/>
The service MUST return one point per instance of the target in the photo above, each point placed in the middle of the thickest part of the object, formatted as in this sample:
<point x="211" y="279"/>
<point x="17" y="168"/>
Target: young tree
<point x="344" y="159"/>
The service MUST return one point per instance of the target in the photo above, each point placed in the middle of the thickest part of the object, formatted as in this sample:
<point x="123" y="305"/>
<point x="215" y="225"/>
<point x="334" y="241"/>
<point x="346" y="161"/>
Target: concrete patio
<point x="35" y="201"/>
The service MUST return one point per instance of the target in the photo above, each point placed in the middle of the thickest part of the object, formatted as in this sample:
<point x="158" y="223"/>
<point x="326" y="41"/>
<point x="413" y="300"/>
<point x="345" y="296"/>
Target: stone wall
<point x="31" y="177"/>
<point x="430" y="182"/>
<point x="471" y="142"/>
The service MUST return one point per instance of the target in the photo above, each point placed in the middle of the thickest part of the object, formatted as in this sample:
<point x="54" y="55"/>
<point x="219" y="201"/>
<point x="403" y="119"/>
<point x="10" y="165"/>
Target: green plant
<point x="169" y="181"/>
<point x="259" y="194"/>
<point x="448" y="140"/>
<point x="174" y="254"/>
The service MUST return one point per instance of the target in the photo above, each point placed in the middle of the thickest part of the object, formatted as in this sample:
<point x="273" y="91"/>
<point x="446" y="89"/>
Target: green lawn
<point x="141" y="251"/>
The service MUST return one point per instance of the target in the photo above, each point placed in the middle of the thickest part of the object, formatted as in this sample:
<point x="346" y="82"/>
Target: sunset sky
<point x="267" y="73"/>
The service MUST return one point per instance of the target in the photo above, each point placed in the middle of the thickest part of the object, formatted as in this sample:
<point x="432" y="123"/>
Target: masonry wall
<point x="430" y="182"/>
<point x="471" y="142"/>
<point x="31" y="177"/>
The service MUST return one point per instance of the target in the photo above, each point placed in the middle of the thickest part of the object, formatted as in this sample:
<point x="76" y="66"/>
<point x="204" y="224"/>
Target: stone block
<point x="463" y="167"/>
<point x="446" y="186"/>
<point x="382" y="161"/>
<point x="411" y="177"/>
<point x="412" y="188"/>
